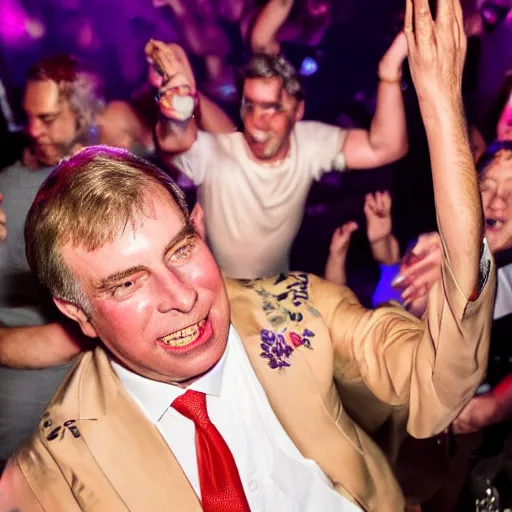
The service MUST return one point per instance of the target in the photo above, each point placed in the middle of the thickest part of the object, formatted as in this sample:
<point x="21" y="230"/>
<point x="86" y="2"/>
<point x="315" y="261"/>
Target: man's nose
<point x="260" y="119"/>
<point x="497" y="203"/>
<point x="34" y="128"/>
<point x="175" y="293"/>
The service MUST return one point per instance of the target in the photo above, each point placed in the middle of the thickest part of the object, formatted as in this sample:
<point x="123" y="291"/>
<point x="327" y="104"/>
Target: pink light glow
<point x="16" y="27"/>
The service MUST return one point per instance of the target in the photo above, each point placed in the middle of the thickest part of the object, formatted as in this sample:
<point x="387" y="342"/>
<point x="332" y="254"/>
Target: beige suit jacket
<point x="96" y="451"/>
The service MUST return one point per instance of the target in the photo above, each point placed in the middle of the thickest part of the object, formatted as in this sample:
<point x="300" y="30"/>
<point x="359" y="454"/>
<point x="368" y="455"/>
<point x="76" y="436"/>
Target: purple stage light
<point x="16" y="27"/>
<point x="308" y="67"/>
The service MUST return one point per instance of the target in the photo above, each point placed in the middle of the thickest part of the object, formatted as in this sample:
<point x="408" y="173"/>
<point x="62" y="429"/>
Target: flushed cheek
<point x="132" y="315"/>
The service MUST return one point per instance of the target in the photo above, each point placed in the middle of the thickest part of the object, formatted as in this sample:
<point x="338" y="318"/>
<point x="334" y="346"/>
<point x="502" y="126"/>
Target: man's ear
<point x="299" y="113"/>
<point x="77" y="314"/>
<point x="197" y="219"/>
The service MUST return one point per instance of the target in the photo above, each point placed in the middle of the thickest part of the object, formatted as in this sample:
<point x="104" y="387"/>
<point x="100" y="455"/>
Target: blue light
<point x="308" y="67"/>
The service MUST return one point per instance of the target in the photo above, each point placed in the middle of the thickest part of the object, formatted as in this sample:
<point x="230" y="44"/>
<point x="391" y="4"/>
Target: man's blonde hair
<point x="87" y="201"/>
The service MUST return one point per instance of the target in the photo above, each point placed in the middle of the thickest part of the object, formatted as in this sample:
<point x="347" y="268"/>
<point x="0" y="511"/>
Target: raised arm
<point x="270" y="19"/>
<point x="386" y="141"/>
<point x="335" y="267"/>
<point x="432" y="366"/>
<point x="383" y="244"/>
<point x="183" y="110"/>
<point x="176" y="129"/>
<point x="437" y="51"/>
<point x="212" y="118"/>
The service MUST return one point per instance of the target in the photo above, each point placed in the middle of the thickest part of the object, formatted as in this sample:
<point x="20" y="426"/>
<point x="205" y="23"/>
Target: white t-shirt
<point x="253" y="211"/>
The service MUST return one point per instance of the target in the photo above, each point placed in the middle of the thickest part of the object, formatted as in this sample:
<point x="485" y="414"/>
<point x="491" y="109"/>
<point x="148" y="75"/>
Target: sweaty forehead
<point x="265" y="90"/>
<point x="42" y="97"/>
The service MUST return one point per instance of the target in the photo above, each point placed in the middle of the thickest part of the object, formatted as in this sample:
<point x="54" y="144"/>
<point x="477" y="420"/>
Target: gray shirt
<point x="23" y="393"/>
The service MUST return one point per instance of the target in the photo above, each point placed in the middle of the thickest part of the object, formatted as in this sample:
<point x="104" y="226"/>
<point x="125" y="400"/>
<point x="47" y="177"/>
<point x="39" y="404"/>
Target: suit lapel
<point x="128" y="448"/>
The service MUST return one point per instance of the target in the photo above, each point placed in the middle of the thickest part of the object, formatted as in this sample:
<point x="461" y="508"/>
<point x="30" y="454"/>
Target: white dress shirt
<point x="274" y="474"/>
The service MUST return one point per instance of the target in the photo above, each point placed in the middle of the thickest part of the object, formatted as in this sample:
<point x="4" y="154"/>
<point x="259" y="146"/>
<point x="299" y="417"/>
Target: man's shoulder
<point x="281" y="284"/>
<point x="271" y="283"/>
<point x="314" y="130"/>
<point x="18" y="173"/>
<point x="222" y="139"/>
<point x="8" y="171"/>
<point x="284" y="292"/>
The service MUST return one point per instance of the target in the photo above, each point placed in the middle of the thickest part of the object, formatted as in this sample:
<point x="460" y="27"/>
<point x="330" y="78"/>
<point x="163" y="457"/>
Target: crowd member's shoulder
<point x="11" y="168"/>
<point x="315" y="130"/>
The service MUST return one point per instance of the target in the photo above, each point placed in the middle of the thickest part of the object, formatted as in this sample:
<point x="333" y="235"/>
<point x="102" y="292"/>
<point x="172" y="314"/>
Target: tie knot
<point x="192" y="405"/>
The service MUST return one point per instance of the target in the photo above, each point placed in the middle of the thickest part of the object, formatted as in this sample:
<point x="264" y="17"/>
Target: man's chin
<point x="46" y="158"/>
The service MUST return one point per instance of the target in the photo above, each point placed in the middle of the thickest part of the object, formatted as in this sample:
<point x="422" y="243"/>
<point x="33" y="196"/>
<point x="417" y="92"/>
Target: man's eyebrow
<point x="247" y="99"/>
<point x="108" y="282"/>
<point x="48" y="114"/>
<point x="185" y="232"/>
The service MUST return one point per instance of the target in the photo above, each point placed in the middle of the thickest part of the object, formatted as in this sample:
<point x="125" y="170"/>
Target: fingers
<point x="421" y="264"/>
<point x="427" y="242"/>
<point x="341" y="235"/>
<point x="377" y="204"/>
<point x="408" y="19"/>
<point x="423" y="22"/>
<point x="383" y="201"/>
<point x="162" y="57"/>
<point x="420" y="285"/>
<point x="369" y="203"/>
<point x="458" y="14"/>
<point x="347" y="229"/>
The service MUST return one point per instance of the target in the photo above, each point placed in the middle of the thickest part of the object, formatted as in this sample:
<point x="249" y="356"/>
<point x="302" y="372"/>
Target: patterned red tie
<point x="221" y="488"/>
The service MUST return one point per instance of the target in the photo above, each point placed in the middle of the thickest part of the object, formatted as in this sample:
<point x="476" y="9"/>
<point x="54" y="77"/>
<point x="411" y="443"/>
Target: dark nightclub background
<point x="339" y="71"/>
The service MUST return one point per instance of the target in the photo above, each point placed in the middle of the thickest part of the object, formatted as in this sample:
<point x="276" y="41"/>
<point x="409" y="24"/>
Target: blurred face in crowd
<point x="496" y="190"/>
<point x="156" y="296"/>
<point x="504" y="128"/>
<point x="269" y="114"/>
<point x="51" y="124"/>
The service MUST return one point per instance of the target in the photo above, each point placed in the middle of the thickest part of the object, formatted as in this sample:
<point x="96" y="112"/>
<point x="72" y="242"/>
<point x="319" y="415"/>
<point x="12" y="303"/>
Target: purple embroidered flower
<point x="275" y="349"/>
<point x="268" y="337"/>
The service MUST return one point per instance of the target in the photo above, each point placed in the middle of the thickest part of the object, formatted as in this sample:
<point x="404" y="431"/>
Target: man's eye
<point x="48" y="120"/>
<point x="183" y="252"/>
<point x="123" y="289"/>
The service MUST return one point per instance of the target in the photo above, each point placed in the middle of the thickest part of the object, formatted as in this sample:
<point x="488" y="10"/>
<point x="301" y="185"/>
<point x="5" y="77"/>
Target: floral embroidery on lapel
<point x="281" y="309"/>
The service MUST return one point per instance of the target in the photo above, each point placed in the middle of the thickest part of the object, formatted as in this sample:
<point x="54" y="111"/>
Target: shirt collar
<point x="155" y="397"/>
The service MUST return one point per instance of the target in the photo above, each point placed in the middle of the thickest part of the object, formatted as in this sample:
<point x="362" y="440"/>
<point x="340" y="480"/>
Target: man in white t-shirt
<point x="253" y="184"/>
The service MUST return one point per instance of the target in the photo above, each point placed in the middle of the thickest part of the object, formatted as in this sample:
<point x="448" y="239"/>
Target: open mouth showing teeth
<point x="259" y="137"/>
<point x="184" y="337"/>
<point x="493" y="223"/>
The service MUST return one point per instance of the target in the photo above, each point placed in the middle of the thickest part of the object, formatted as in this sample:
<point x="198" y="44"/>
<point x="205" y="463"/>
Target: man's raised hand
<point x="436" y="48"/>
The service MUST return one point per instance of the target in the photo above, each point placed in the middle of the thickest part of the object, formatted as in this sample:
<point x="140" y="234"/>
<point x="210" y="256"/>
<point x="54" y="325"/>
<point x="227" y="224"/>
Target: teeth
<point x="494" y="223"/>
<point x="185" y="336"/>
<point x="259" y="136"/>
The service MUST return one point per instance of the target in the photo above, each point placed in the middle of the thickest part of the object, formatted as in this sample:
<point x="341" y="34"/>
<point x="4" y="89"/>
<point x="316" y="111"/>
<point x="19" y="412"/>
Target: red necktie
<point x="221" y="488"/>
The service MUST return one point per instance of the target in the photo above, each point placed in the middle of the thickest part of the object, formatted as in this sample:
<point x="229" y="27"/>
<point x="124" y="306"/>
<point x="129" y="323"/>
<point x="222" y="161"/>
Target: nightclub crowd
<point x="188" y="322"/>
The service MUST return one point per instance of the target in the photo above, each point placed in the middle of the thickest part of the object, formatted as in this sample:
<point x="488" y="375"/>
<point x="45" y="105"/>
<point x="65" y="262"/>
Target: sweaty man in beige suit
<point x="111" y="237"/>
